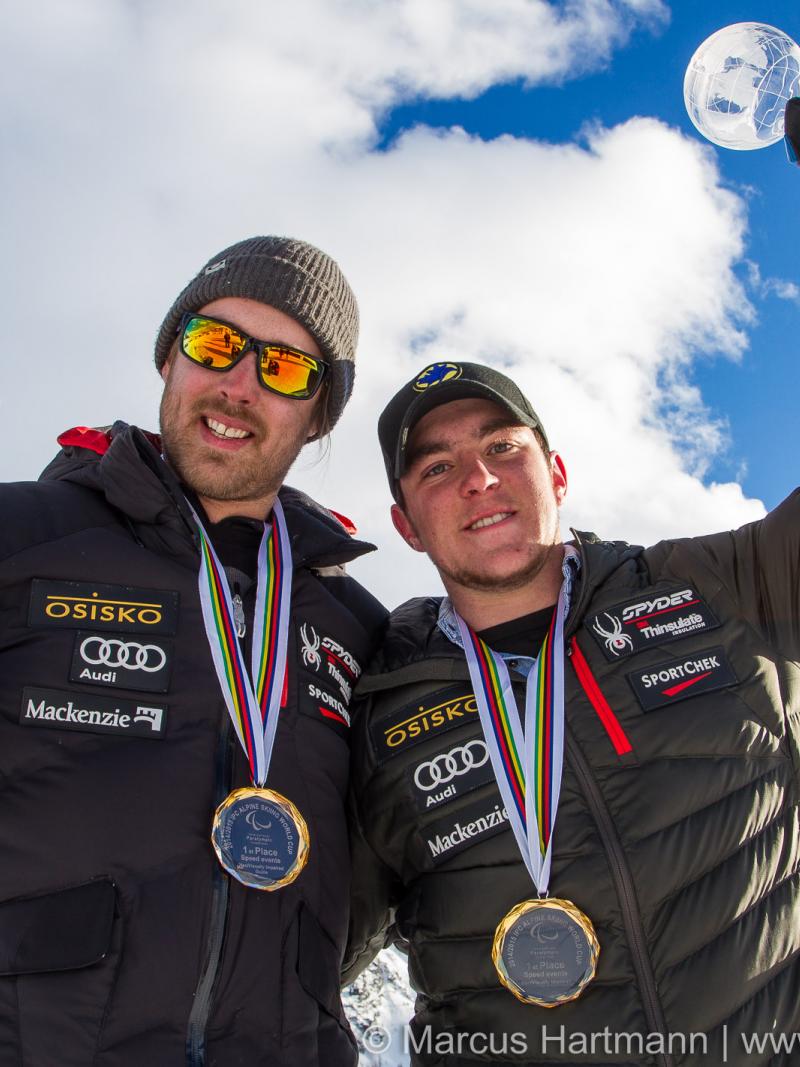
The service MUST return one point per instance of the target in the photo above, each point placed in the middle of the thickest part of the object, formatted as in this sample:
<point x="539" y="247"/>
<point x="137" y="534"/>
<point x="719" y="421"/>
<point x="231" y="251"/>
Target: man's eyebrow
<point x="502" y="422"/>
<point x="420" y="452"/>
<point x="431" y="448"/>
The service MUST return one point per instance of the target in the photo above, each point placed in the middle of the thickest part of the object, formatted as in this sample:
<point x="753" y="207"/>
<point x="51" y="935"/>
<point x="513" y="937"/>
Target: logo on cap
<point x="436" y="374"/>
<point x="212" y="268"/>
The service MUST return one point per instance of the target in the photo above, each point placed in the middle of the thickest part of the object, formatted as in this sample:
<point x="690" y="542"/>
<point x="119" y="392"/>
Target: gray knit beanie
<point x="293" y="277"/>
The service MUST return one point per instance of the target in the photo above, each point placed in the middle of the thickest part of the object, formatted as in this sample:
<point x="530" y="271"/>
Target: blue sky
<point x="757" y="396"/>
<point x="508" y="181"/>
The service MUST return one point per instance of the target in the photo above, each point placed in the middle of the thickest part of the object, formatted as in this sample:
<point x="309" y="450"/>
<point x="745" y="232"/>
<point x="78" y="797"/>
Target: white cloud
<point x="592" y="273"/>
<point x="783" y="289"/>
<point x="143" y="138"/>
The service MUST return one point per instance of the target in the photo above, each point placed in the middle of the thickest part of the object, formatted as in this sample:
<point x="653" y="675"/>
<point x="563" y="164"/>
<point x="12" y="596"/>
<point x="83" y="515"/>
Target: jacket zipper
<point x="626" y="893"/>
<point x="616" y="734"/>
<point x="220" y="894"/>
<point x="220" y="889"/>
<point x="620" y="873"/>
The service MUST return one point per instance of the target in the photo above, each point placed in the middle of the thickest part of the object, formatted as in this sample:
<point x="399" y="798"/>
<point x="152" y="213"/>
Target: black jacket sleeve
<point x="372" y="903"/>
<point x="374" y="886"/>
<point x="760" y="564"/>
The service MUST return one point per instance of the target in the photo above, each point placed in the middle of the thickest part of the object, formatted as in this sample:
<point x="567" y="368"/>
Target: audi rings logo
<point x="129" y="655"/>
<point x="449" y="765"/>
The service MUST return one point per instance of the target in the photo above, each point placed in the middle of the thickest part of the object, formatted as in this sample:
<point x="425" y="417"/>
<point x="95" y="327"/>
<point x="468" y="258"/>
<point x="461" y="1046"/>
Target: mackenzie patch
<point x="122" y="662"/>
<point x="416" y="722"/>
<point x="91" y="713"/>
<point x="451" y="773"/>
<point x="678" y="679"/>
<point x="651" y="619"/>
<point x="476" y="822"/>
<point x="75" y="605"/>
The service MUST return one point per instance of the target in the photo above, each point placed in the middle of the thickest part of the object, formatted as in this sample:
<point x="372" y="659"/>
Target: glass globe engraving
<point x="738" y="82"/>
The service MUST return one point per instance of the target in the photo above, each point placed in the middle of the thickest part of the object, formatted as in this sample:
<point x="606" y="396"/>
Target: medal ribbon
<point x="253" y="698"/>
<point x="527" y="762"/>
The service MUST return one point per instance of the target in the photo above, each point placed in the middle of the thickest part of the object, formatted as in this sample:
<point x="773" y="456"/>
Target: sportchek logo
<point x="696" y="669"/>
<point x="654" y="620"/>
<point x="90" y="714"/>
<point x="329" y="706"/>
<point x="676" y="680"/>
<point x="472" y="824"/>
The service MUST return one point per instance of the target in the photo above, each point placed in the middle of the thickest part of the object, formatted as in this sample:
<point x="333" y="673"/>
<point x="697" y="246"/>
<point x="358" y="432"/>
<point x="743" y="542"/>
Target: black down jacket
<point x="122" y="942"/>
<point x="677" y="830"/>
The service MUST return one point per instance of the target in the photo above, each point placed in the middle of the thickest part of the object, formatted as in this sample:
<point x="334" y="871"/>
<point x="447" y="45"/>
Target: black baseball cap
<point x="441" y="383"/>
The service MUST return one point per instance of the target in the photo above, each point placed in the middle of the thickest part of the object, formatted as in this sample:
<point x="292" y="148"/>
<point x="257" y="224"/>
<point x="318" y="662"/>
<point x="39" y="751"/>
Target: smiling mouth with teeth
<point x="490" y="520"/>
<point x="221" y="430"/>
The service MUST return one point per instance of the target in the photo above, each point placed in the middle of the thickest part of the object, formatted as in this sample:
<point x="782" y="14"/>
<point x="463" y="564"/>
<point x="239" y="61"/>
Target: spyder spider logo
<point x="616" y="641"/>
<point x="310" y="650"/>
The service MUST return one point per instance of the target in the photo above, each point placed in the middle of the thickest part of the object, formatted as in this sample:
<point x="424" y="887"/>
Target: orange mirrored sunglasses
<point x="219" y="345"/>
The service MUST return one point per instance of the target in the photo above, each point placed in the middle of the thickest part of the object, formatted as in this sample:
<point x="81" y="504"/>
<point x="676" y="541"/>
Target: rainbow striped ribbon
<point x="253" y="698"/>
<point x="527" y="761"/>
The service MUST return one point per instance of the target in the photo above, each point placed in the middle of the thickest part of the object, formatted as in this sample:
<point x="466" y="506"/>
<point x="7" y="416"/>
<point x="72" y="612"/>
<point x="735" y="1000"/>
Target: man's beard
<point x="484" y="581"/>
<point x="227" y="476"/>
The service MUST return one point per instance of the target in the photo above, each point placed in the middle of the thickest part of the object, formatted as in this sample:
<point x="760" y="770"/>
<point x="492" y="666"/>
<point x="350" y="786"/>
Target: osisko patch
<point x="421" y="720"/>
<point x="123" y="608"/>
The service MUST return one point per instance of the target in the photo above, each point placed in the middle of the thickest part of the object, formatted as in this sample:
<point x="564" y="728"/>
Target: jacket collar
<point x="124" y="464"/>
<point x="415" y="649"/>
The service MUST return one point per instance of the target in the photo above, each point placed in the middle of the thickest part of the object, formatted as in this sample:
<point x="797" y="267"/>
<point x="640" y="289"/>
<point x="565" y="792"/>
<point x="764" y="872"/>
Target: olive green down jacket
<point x="677" y="829"/>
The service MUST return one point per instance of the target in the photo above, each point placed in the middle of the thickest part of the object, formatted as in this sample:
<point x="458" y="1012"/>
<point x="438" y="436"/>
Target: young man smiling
<point x="575" y="777"/>
<point x="179" y="645"/>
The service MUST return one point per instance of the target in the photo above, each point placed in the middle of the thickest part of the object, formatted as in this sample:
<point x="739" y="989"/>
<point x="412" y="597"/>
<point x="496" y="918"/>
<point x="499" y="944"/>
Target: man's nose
<point x="477" y="477"/>
<point x="240" y="384"/>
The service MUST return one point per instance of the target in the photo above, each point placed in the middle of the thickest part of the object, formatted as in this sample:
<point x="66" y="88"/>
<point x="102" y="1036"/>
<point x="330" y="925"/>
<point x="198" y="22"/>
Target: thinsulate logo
<point x="105" y="607"/>
<point x="659" y="618"/>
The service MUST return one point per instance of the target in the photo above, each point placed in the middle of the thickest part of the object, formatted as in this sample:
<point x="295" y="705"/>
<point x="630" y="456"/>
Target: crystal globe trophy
<point x="738" y="84"/>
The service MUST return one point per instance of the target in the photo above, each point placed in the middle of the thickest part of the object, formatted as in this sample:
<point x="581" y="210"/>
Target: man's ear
<point x="558" y="473"/>
<point x="166" y="366"/>
<point x="319" y="418"/>
<point x="313" y="429"/>
<point x="403" y="526"/>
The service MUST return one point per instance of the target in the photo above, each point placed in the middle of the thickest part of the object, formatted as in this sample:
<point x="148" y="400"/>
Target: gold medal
<point x="260" y="838"/>
<point x="545" y="951"/>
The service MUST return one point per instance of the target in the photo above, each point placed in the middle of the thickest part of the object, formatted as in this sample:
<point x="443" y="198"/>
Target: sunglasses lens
<point x="218" y="346"/>
<point x="210" y="343"/>
<point x="291" y="373"/>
